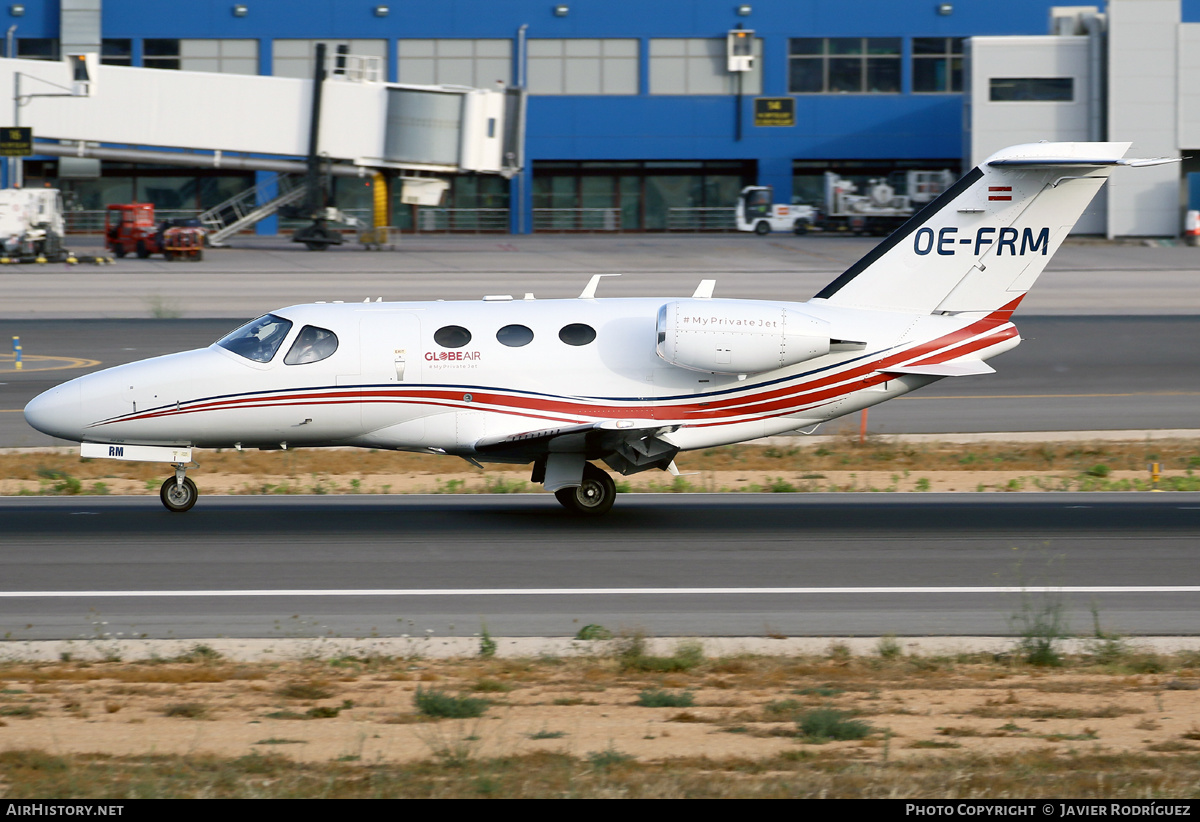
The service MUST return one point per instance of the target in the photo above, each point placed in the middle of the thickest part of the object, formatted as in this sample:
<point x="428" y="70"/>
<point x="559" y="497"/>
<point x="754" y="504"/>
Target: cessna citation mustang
<point x="629" y="382"/>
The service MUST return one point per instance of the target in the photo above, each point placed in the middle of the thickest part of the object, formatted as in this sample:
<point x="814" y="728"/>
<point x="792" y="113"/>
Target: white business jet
<point x="629" y="382"/>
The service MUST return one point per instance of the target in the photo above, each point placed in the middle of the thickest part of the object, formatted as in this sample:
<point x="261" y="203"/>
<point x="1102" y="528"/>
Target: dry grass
<point x="831" y="465"/>
<point x="972" y="725"/>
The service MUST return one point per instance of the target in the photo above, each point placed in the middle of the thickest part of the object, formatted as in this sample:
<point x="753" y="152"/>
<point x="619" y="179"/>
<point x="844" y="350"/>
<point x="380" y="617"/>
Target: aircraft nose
<point x="58" y="412"/>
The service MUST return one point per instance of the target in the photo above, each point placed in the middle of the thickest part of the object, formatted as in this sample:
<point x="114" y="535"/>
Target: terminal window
<point x="116" y="52"/>
<point x="699" y="65"/>
<point x="219" y="56"/>
<point x="475" y="63"/>
<point x="294" y="57"/>
<point x="37" y="48"/>
<point x="844" y="65"/>
<point x="160" y="53"/>
<point x="937" y="64"/>
<point x="583" y="66"/>
<point x="1031" y="89"/>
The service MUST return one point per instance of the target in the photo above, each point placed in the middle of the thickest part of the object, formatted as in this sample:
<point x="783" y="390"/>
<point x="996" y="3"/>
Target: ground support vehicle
<point x="757" y="212"/>
<point x="884" y="205"/>
<point x="31" y="226"/>
<point x="131" y="228"/>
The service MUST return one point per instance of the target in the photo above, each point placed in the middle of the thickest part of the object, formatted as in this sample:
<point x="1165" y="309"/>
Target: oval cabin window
<point x="452" y="336"/>
<point x="515" y="336"/>
<point x="577" y="334"/>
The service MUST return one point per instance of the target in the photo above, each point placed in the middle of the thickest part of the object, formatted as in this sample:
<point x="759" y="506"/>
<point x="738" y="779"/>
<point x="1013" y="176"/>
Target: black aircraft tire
<point x="594" y="497"/>
<point x="762" y="227"/>
<point x="177" y="498"/>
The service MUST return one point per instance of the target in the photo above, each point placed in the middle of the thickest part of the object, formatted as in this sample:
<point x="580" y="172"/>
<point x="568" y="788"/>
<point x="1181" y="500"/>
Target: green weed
<point x="437" y="703"/>
<point x="825" y="724"/>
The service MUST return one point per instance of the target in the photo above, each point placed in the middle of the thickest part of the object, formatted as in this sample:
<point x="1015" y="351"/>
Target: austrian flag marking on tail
<point x="1003" y="193"/>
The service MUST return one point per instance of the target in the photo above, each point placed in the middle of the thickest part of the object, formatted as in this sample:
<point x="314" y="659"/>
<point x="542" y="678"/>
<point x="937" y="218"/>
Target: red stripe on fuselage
<point x="693" y="411"/>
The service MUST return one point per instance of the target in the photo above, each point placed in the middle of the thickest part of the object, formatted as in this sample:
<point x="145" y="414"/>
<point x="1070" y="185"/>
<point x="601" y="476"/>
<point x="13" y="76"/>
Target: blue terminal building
<point x="633" y="109"/>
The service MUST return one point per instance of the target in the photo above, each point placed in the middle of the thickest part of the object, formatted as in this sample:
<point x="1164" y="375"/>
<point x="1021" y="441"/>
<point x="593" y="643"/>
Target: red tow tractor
<point x="131" y="229"/>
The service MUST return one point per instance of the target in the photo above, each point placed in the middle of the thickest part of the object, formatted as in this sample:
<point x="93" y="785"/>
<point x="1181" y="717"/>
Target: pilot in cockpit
<point x="312" y="345"/>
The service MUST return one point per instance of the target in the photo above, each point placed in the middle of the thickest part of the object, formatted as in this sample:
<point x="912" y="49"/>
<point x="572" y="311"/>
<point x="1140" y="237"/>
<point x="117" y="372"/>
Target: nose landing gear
<point x="178" y="493"/>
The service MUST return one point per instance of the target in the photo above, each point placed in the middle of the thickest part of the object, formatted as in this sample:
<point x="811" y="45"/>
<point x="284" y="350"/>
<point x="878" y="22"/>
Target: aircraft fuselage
<point x="391" y="384"/>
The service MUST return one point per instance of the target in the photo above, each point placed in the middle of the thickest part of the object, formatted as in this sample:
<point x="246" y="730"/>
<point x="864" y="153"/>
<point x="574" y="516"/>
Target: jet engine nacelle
<point x="737" y="337"/>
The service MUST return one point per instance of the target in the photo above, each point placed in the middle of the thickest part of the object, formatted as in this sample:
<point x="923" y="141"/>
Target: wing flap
<point x="628" y="446"/>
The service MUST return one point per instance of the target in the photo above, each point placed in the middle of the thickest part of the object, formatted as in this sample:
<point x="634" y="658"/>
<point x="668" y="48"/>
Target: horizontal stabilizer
<point x="1054" y="162"/>
<point x="955" y="368"/>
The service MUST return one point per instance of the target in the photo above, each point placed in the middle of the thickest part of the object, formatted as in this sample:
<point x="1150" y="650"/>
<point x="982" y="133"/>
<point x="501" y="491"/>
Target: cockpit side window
<point x="312" y="345"/>
<point x="258" y="340"/>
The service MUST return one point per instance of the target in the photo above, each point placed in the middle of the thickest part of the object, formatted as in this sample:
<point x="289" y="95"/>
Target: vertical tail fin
<point x="983" y="243"/>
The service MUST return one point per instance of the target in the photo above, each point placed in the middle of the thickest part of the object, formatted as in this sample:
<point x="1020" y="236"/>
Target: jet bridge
<point x="366" y="124"/>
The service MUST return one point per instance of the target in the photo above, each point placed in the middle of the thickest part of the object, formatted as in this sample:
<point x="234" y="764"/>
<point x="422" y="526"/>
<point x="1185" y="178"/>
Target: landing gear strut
<point x="594" y="497"/>
<point x="179" y="493"/>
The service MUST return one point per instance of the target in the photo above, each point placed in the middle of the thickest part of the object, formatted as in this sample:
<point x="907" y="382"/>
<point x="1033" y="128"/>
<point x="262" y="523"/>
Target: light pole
<point x="81" y="87"/>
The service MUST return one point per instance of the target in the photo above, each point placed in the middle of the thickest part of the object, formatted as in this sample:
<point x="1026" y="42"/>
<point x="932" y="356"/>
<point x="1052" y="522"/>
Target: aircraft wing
<point x="628" y="446"/>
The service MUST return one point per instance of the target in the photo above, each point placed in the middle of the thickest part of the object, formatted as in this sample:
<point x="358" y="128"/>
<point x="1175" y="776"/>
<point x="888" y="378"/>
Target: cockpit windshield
<point x="258" y="340"/>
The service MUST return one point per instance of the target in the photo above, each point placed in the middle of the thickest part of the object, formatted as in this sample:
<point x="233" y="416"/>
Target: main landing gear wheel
<point x="592" y="498"/>
<point x="180" y="497"/>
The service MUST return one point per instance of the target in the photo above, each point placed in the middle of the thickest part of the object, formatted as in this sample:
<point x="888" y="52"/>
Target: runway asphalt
<point x="671" y="565"/>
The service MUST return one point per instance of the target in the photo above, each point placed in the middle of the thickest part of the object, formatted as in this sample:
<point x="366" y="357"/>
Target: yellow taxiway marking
<point x="41" y="362"/>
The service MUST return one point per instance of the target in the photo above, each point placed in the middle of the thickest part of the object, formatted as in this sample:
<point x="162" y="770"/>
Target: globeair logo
<point x="946" y="242"/>
<point x="451" y="356"/>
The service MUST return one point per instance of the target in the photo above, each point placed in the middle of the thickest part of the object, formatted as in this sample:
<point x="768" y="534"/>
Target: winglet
<point x="589" y="290"/>
<point x="704" y="291"/>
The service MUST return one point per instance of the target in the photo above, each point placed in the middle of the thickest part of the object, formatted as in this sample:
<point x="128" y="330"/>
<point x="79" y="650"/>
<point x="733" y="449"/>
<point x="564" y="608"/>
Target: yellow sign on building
<point x="16" y="141"/>
<point x="774" y="111"/>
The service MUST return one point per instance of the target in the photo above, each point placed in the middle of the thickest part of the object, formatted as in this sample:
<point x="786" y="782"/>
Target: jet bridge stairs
<point x="247" y="208"/>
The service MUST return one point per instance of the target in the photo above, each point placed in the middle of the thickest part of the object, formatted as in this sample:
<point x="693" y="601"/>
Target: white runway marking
<point x="541" y="592"/>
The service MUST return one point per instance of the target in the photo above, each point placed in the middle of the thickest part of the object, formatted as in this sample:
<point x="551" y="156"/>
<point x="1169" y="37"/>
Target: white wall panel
<point x="1143" y="107"/>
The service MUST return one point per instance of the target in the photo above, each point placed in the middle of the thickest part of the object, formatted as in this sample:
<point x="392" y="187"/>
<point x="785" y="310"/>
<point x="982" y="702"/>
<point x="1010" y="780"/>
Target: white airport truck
<point x="757" y="212"/>
<point x="31" y="225"/>
<point x="880" y="209"/>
